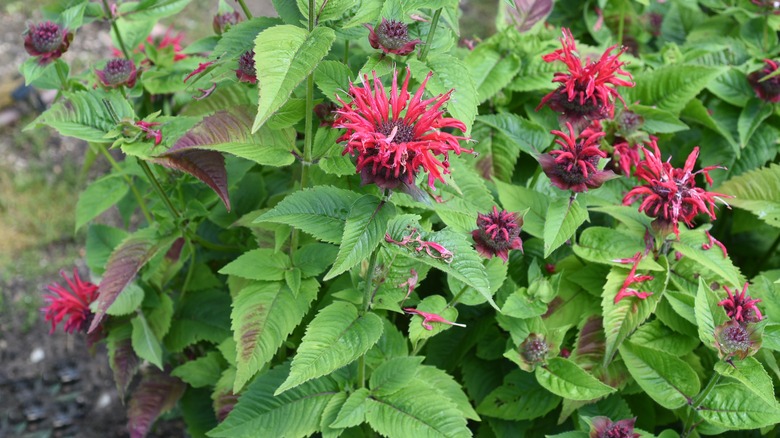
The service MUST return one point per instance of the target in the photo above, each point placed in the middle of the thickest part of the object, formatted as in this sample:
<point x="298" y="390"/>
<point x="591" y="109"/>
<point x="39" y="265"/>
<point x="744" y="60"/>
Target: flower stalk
<point x="116" y="29"/>
<point x="246" y="10"/>
<point x="696" y="403"/>
<point x="427" y="47"/>
<point x="366" y="308"/>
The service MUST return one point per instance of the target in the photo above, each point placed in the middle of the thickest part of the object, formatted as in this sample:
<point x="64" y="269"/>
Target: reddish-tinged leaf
<point x="207" y="166"/>
<point x="156" y="393"/>
<point x="224" y="403"/>
<point x="530" y="12"/>
<point x="122" y="358"/>
<point x="126" y="260"/>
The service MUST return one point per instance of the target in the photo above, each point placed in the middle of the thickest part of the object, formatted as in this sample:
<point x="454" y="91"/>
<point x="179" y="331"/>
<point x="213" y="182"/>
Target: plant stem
<point x="63" y="76"/>
<point x="696" y="402"/>
<point x="427" y="47"/>
<point x="188" y="277"/>
<point x="366" y="305"/>
<point x="457" y="296"/>
<point x="622" y="22"/>
<point x="158" y="188"/>
<point x="346" y="52"/>
<point x="246" y="10"/>
<point x="136" y="194"/>
<point x="116" y="29"/>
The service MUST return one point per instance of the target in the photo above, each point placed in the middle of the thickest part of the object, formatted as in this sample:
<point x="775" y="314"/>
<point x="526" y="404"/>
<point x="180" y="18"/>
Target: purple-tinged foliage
<point x="157" y="393"/>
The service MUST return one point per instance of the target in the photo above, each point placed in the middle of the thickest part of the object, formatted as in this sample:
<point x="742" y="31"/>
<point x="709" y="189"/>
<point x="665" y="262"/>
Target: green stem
<point x="346" y="52"/>
<point x="366" y="306"/>
<point x="189" y="271"/>
<point x="136" y="194"/>
<point x="246" y="10"/>
<point x="696" y="402"/>
<point x="621" y="23"/>
<point x="211" y="245"/>
<point x="116" y="29"/>
<point x="457" y="296"/>
<point x="158" y="188"/>
<point x="427" y="47"/>
<point x="63" y="76"/>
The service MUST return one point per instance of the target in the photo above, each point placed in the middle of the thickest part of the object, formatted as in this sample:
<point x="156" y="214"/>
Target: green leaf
<point x="491" y="70"/>
<point x="449" y="74"/>
<point x="259" y="264"/>
<point x="518" y="198"/>
<point x="522" y="305"/>
<point x="432" y="304"/>
<point x="671" y="87"/>
<point x="152" y="10"/>
<point x="364" y="229"/>
<point x="497" y="153"/>
<point x="708" y="314"/>
<point x="127" y="302"/>
<point x="203" y="371"/>
<point x="415" y="411"/>
<point x="353" y="411"/>
<point x="606" y="245"/>
<point x="240" y="38"/>
<point x="565" y="378"/>
<point x="735" y="406"/>
<point x="330" y="414"/>
<point x="657" y="121"/>
<point x="563" y="219"/>
<point x="690" y="245"/>
<point x="331" y="77"/>
<point x="336" y="337"/>
<point x="621" y="319"/>
<point x="528" y="136"/>
<point x="394" y="374"/>
<point x="733" y="87"/>
<point x="696" y="111"/>
<point x="752" y="375"/>
<point x="326" y="9"/>
<point x="450" y="389"/>
<point x="261" y="413"/>
<point x="757" y="191"/>
<point x="320" y="211"/>
<point x="520" y="397"/>
<point x="668" y="380"/>
<point x="751" y="117"/>
<point x="657" y="336"/>
<point x="203" y="316"/>
<point x="145" y="343"/>
<point x="264" y="314"/>
<point x="99" y="197"/>
<point x="288" y="55"/>
<point x="82" y="114"/>
<point x="31" y="69"/>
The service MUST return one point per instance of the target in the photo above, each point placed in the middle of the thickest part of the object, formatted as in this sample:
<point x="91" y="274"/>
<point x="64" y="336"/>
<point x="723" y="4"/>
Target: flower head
<point x="246" y="71"/>
<point x="47" y="40"/>
<point x="670" y="194"/>
<point x="118" y="72"/>
<point x="574" y="166"/>
<point x="70" y="304"/>
<point x="151" y="133"/>
<point x="632" y="278"/>
<point x="588" y="90"/>
<point x="392" y="37"/>
<point x="733" y="339"/>
<point x="497" y="233"/>
<point x="603" y="427"/>
<point x="223" y="22"/>
<point x="533" y="350"/>
<point x="626" y="154"/>
<point x="428" y="318"/>
<point x="740" y="307"/>
<point x="768" y="90"/>
<point x="394" y="137"/>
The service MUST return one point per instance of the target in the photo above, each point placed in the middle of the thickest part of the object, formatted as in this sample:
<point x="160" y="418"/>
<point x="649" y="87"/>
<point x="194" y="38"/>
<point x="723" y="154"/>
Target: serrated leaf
<point x="125" y="262"/>
<point x="529" y="137"/>
<point x="259" y="264"/>
<point x="240" y="38"/>
<point x="353" y="411"/>
<point x="621" y="319"/>
<point x="733" y="87"/>
<point x="497" y="153"/>
<point x="261" y="413"/>
<point x="327" y="9"/>
<point x="566" y="379"/>
<point x="336" y="337"/>
<point x="521" y="305"/>
<point x="439" y="381"/>
<point x="156" y="393"/>
<point x="657" y="336"/>
<point x="708" y="314"/>
<point x="320" y="211"/>
<point x="145" y="343"/>
<point x="288" y="55"/>
<point x="207" y="166"/>
<point x="657" y="121"/>
<point x="329" y="415"/>
<point x="668" y="380"/>
<point x="671" y="87"/>
<point x="394" y="374"/>
<point x="331" y="77"/>
<point x="751" y="117"/>
<point x="757" y="191"/>
<point x="696" y="111"/>
<point x="364" y="229"/>
<point x="734" y="406"/>
<point x="203" y="371"/>
<point x="690" y="245"/>
<point x="520" y="397"/>
<point x="152" y="10"/>
<point x="433" y="304"/>
<point x="127" y="302"/>
<point x="563" y="219"/>
<point x="121" y="357"/>
<point x="491" y="70"/>
<point x="529" y="12"/>
<point x="752" y="375"/>
<point x="203" y="316"/>
<point x="605" y="245"/>
<point x="98" y="197"/>
<point x="263" y="315"/>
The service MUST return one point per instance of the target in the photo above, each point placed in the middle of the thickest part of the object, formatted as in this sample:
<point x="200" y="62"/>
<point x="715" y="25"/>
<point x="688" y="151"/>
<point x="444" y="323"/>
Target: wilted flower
<point x="202" y="66"/>
<point x="392" y="37"/>
<point x="70" y="305"/>
<point x="428" y="318"/>
<point x="151" y="133"/>
<point x="393" y="137"/>
<point x="497" y="233"/>
<point x="246" y="71"/>
<point x="740" y="307"/>
<point x="603" y="427"/>
<point x="632" y="278"/>
<point x="670" y="194"/>
<point x="47" y="40"/>
<point x="574" y="166"/>
<point x="587" y="92"/>
<point x="118" y="72"/>
<point x="223" y="22"/>
<point x="768" y="90"/>
<point x="733" y="339"/>
<point x="534" y="350"/>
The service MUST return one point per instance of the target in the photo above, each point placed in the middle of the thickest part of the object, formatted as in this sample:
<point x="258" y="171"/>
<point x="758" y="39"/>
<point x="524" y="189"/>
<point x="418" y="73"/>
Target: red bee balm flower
<point x="603" y="427"/>
<point x="740" y="307"/>
<point x="573" y="167"/>
<point x="392" y="146"/>
<point x="497" y="233"/>
<point x="47" y="40"/>
<point x="632" y="279"/>
<point x="118" y="72"/>
<point x="768" y="90"/>
<point x="246" y="71"/>
<point x="72" y="305"/>
<point x="670" y="194"/>
<point x="587" y="92"/>
<point x="392" y="37"/>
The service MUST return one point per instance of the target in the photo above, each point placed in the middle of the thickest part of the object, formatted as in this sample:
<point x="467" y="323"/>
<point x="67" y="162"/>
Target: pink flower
<point x="151" y="133"/>
<point x="118" y="72"/>
<point x="734" y="339"/>
<point x="768" y="90"/>
<point x="587" y="90"/>
<point x="714" y="242"/>
<point x="429" y="318"/>
<point x="740" y="307"/>
<point x="223" y="22"/>
<point x="632" y="278"/>
<point x="497" y="233"/>
<point x="603" y="427"/>
<point x="392" y="37"/>
<point x="410" y="283"/>
<point x="202" y="66"/>
<point x="670" y="194"/>
<point x="574" y="166"/>
<point x="70" y="305"/>
<point x="246" y="71"/>
<point x="47" y="40"/>
<point x="394" y="137"/>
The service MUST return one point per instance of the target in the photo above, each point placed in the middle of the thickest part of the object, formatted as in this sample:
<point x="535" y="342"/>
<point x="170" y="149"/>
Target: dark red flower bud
<point x="768" y="90"/>
<point x="603" y="427"/>
<point x="246" y="71"/>
<point x="497" y="233"/>
<point x="223" y="22"/>
<point x="534" y="350"/>
<point x="392" y="37"/>
<point x="47" y="40"/>
<point x="118" y="71"/>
